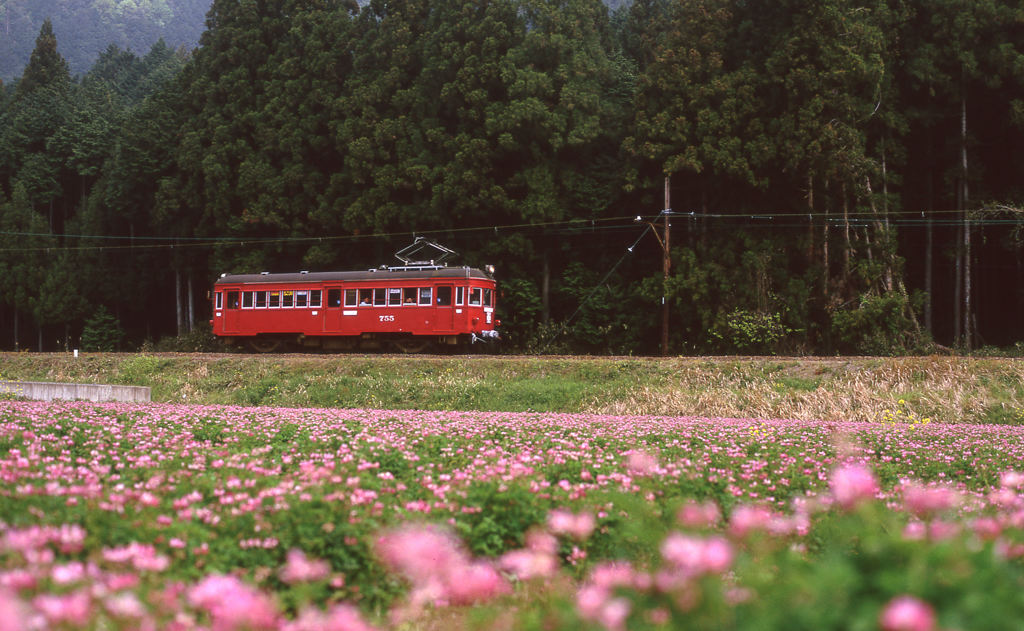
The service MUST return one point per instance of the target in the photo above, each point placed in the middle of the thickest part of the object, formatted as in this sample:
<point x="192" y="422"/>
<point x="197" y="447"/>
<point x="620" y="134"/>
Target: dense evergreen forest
<point x="86" y="28"/>
<point x="841" y="176"/>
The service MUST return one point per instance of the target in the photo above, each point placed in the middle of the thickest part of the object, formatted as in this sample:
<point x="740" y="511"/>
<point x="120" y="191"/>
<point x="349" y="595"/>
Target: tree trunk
<point x="180" y="310"/>
<point x="890" y="267"/>
<point x="1019" y="307"/>
<point x="191" y="304"/>
<point x="16" y="348"/>
<point x="824" y="247"/>
<point x="810" y="220"/>
<point x="847" y="246"/>
<point x="958" y="286"/>
<point x="878" y="228"/>
<point x="666" y="268"/>
<point x="882" y="228"/>
<point x="704" y="224"/>
<point x="929" y="249"/>
<point x="968" y="316"/>
<point x="545" y="289"/>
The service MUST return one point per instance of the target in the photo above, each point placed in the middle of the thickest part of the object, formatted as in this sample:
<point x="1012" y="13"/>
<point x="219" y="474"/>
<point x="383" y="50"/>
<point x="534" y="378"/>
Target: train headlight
<point x="489" y="269"/>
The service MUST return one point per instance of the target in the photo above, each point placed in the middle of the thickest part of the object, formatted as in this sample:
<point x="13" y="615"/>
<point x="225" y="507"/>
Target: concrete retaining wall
<point x="43" y="391"/>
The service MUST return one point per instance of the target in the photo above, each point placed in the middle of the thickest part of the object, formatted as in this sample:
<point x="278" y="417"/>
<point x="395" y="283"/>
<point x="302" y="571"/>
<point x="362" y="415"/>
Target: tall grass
<point x="944" y="389"/>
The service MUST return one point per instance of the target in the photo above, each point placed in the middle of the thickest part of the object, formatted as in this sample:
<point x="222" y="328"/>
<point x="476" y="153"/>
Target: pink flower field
<point x="118" y="516"/>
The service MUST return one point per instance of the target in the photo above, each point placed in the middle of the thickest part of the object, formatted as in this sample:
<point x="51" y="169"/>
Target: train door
<point x="231" y="311"/>
<point x="444" y="319"/>
<point x="332" y="309"/>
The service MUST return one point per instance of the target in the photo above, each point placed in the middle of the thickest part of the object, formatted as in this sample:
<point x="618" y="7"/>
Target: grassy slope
<point x="942" y="388"/>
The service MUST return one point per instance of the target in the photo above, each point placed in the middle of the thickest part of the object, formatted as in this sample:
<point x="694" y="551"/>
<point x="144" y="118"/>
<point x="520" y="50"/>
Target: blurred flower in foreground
<point x="13" y="616"/>
<point x="694" y="555"/>
<point x="340" y="617"/>
<point x="233" y="604"/>
<point x="537" y="559"/>
<point x="927" y="500"/>
<point x="300" y="569"/>
<point x="698" y="515"/>
<point x="440" y="571"/>
<point x="641" y="463"/>
<point x="906" y="613"/>
<point x="853" y="484"/>
<point x="563" y="522"/>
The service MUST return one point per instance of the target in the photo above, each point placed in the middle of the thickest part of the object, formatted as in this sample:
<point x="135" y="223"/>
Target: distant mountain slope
<point x="85" y="28"/>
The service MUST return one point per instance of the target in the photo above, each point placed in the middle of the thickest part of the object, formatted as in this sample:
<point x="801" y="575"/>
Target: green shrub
<point x="879" y="325"/>
<point x="750" y="332"/>
<point x="199" y="340"/>
<point x="102" y="332"/>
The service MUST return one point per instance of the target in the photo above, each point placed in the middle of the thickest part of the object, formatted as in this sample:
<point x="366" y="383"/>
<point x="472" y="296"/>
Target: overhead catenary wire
<point x="761" y="219"/>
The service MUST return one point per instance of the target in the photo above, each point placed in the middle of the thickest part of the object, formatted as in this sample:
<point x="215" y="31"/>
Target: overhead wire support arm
<point x="593" y="291"/>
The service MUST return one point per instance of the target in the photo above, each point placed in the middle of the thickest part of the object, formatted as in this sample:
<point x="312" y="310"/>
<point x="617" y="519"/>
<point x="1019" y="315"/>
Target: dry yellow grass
<point x="945" y="389"/>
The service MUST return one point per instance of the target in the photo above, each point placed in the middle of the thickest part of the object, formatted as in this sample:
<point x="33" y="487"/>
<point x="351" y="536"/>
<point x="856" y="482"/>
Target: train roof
<point x="382" y="273"/>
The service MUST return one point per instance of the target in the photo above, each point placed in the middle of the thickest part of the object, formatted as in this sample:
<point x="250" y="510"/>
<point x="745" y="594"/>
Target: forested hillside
<point x="85" y="28"/>
<point x="840" y="174"/>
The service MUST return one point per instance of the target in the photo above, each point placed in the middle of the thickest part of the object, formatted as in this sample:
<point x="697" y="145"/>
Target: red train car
<point x="409" y="308"/>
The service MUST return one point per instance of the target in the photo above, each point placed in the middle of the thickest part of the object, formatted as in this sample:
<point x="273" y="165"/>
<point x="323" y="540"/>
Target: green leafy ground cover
<point x="201" y="517"/>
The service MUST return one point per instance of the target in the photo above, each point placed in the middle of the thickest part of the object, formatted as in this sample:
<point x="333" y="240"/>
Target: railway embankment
<point x="869" y="389"/>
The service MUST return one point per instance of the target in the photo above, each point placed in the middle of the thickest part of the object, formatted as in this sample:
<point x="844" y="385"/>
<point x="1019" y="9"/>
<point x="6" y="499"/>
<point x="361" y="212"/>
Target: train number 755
<point x="387" y="318"/>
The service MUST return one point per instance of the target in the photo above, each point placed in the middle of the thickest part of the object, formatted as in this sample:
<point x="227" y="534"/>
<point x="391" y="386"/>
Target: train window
<point x="220" y="300"/>
<point x="334" y="297"/>
<point x="380" y="297"/>
<point x="474" y="297"/>
<point x="459" y="295"/>
<point x="351" y="297"/>
<point x="365" y="297"/>
<point x="247" y="300"/>
<point x="394" y="296"/>
<point x="425" y="295"/>
<point x="314" y="297"/>
<point x="287" y="299"/>
<point x="301" y="298"/>
<point x="261" y="300"/>
<point x="444" y="296"/>
<point x="275" y="299"/>
<point x="488" y="298"/>
<point x="232" y="300"/>
<point x="409" y="295"/>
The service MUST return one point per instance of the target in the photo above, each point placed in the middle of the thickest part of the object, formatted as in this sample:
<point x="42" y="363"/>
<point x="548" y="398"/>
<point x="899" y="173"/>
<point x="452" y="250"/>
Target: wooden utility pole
<point x="666" y="262"/>
<point x="666" y="267"/>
